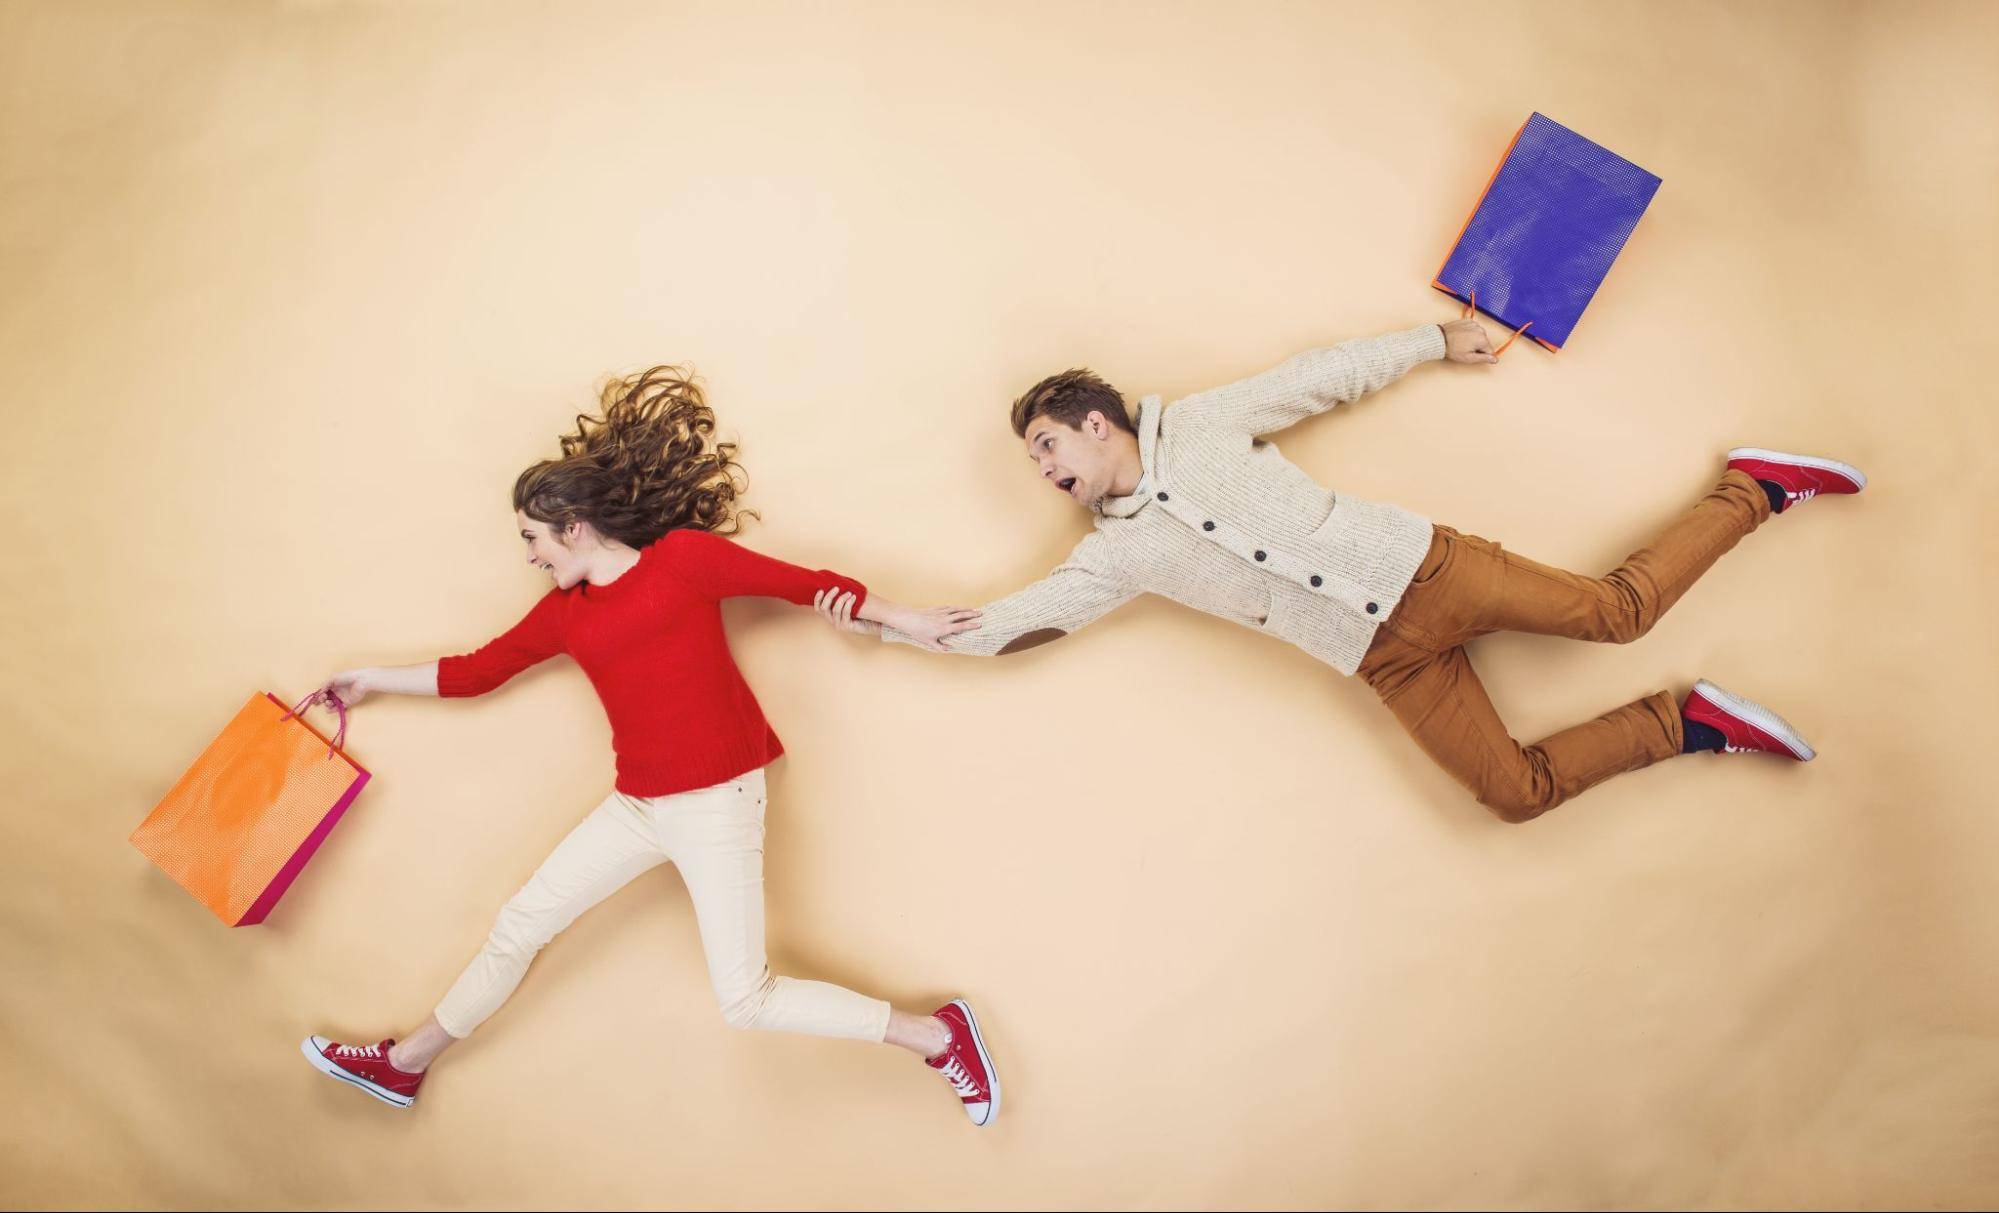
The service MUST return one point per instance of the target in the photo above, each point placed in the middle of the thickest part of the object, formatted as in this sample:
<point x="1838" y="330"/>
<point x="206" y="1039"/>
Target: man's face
<point x="1080" y="461"/>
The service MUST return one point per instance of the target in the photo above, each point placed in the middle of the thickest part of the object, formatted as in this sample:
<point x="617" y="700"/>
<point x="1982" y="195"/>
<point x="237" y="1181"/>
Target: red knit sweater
<point x="652" y="644"/>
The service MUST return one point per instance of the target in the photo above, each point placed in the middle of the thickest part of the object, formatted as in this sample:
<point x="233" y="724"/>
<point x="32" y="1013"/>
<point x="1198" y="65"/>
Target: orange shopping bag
<point x="236" y="830"/>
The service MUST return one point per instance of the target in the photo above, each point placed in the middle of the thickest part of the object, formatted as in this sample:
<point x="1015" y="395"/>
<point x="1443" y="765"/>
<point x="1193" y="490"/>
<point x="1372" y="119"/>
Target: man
<point x="1192" y="504"/>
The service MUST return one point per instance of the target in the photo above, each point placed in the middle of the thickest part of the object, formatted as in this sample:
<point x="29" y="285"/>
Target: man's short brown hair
<point x="1068" y="398"/>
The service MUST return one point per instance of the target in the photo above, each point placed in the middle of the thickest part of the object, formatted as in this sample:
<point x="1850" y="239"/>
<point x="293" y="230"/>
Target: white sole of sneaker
<point x="985" y="1059"/>
<point x="1847" y="470"/>
<point x="320" y="1063"/>
<point x="1760" y="716"/>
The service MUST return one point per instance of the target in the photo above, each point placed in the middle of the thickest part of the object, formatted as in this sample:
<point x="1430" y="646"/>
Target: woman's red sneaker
<point x="966" y="1065"/>
<point x="364" y="1066"/>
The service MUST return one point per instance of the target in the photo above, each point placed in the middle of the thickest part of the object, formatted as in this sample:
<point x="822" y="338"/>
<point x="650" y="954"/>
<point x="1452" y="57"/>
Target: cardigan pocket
<point x="1211" y="577"/>
<point x="1289" y="614"/>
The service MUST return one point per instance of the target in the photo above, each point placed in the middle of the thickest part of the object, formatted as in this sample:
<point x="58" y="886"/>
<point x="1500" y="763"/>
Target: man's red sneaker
<point x="1797" y="477"/>
<point x="365" y="1066"/>
<point x="1744" y="726"/>
<point x="966" y="1065"/>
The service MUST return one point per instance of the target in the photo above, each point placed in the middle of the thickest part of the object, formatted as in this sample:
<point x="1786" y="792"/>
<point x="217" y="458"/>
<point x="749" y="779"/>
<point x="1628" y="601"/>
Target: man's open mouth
<point x="1067" y="484"/>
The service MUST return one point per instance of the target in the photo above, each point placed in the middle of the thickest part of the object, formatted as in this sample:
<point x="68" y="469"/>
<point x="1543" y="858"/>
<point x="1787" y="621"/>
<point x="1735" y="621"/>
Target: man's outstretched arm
<point x="1316" y="380"/>
<point x="1080" y="590"/>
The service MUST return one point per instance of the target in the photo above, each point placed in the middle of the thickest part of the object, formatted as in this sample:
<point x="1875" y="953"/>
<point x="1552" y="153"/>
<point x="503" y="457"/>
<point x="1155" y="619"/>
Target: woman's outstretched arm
<point x="352" y="686"/>
<point x="533" y="640"/>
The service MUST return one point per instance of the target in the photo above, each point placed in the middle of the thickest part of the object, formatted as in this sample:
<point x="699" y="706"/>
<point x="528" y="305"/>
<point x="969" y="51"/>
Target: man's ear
<point x="1098" y="425"/>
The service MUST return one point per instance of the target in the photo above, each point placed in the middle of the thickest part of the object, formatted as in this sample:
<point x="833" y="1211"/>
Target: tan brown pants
<point x="1469" y="586"/>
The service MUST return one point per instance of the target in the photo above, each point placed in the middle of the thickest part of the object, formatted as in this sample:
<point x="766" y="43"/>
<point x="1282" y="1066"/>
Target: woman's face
<point x="548" y="552"/>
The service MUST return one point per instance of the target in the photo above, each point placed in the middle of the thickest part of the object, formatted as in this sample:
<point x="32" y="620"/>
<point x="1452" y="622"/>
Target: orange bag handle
<point x="328" y="698"/>
<point x="1472" y="307"/>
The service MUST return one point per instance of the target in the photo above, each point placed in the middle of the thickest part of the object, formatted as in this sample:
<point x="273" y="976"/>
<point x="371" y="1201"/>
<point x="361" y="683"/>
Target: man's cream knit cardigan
<point x="1227" y="525"/>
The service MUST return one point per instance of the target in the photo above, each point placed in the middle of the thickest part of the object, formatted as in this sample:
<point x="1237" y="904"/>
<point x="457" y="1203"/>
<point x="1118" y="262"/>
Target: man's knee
<point x="1629" y="613"/>
<point x="1515" y="804"/>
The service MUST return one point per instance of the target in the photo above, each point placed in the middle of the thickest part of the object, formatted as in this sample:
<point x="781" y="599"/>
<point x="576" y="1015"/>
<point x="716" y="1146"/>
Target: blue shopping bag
<point x="1555" y="214"/>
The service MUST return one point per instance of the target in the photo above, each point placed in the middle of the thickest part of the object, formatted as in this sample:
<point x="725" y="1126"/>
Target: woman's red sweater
<point x="651" y="642"/>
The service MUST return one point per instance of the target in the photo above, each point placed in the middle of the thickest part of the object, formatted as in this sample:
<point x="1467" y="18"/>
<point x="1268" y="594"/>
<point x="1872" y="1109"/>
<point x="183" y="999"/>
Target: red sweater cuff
<point x="819" y="579"/>
<point x="455" y="679"/>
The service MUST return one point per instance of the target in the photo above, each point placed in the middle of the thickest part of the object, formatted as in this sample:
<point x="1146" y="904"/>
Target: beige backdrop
<point x="293" y="291"/>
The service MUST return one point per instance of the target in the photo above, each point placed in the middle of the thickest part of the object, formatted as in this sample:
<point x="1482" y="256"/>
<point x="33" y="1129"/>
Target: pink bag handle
<point x="328" y="698"/>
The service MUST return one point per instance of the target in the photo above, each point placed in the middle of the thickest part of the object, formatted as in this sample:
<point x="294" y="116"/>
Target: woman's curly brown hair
<point x="648" y="465"/>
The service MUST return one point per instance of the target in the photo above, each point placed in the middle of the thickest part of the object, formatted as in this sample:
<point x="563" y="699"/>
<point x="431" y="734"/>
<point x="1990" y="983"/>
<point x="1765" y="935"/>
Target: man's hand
<point x="1465" y="341"/>
<point x="927" y="626"/>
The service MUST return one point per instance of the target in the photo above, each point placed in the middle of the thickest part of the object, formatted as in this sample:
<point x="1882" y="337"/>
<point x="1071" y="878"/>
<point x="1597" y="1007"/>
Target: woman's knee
<point x="520" y="933"/>
<point x="744" y="1008"/>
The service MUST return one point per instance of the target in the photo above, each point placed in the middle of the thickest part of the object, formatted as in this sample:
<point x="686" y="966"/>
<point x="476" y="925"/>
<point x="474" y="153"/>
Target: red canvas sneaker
<point x="1797" y="477"/>
<point x="966" y="1065"/>
<point x="1744" y="726"/>
<point x="365" y="1066"/>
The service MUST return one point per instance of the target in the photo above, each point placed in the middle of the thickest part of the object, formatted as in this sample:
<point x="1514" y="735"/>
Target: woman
<point x="626" y="522"/>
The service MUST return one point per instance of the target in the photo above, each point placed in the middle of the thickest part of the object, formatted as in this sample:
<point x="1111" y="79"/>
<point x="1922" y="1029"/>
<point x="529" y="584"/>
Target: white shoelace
<point x="960" y="1078"/>
<point x="1737" y="749"/>
<point x="368" y="1052"/>
<point x="1803" y="495"/>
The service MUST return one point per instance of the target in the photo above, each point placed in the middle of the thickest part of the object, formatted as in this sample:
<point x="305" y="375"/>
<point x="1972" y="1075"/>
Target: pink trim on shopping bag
<point x="296" y="864"/>
<point x="268" y="900"/>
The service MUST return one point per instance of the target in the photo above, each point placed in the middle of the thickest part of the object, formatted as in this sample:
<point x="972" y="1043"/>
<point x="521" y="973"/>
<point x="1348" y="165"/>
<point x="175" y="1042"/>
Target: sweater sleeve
<point x="1313" y="382"/>
<point x="533" y="640"/>
<point x="1081" y="590"/>
<point x="718" y="568"/>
